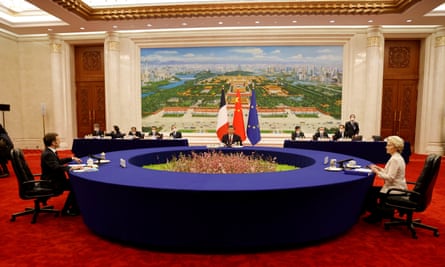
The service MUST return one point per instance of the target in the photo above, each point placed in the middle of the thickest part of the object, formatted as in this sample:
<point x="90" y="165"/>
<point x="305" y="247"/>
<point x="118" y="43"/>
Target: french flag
<point x="223" y="122"/>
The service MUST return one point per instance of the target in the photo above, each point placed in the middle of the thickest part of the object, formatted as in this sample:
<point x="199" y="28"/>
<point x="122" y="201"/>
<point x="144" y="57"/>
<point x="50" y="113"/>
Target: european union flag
<point x="253" y="126"/>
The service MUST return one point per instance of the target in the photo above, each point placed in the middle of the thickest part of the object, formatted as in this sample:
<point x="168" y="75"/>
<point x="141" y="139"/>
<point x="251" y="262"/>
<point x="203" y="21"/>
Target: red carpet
<point x="65" y="241"/>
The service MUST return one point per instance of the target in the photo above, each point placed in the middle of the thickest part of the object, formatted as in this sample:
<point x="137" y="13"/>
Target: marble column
<point x="59" y="118"/>
<point x="112" y="80"/>
<point x="372" y="93"/>
<point x="435" y="102"/>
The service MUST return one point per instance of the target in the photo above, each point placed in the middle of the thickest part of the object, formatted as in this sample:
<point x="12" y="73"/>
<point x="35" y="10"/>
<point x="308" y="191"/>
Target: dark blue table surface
<point x="199" y="212"/>
<point x="83" y="147"/>
<point x="372" y="151"/>
<point x="135" y="175"/>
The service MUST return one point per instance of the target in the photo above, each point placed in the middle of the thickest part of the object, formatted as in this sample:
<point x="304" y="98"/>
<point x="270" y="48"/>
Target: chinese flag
<point x="238" y="118"/>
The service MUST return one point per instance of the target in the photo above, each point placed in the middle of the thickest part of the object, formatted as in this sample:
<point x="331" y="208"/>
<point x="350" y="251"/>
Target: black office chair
<point x="30" y="188"/>
<point x="415" y="200"/>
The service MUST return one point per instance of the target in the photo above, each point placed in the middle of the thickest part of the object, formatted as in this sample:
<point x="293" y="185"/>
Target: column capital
<point x="55" y="44"/>
<point x="375" y="36"/>
<point x="112" y="40"/>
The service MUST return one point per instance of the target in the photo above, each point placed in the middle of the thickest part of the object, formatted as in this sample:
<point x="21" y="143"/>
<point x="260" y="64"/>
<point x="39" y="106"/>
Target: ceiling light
<point x="149" y="25"/>
<point x="220" y="23"/>
<point x="115" y="27"/>
<point x="332" y="21"/>
<point x="50" y="30"/>
<point x="257" y="22"/>
<point x="82" y="28"/>
<point x="294" y="21"/>
<point x="370" y="21"/>
<point x="409" y="20"/>
<point x="184" y="24"/>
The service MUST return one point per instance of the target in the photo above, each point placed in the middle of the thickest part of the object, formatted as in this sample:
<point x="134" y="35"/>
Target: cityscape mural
<point x="295" y="85"/>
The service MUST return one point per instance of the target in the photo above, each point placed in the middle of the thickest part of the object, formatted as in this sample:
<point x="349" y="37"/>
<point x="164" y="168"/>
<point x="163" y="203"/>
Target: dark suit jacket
<point x="339" y="135"/>
<point x="351" y="128"/>
<point x="318" y="135"/>
<point x="176" y="134"/>
<point x="98" y="133"/>
<point x="54" y="169"/>
<point x="137" y="134"/>
<point x="236" y="139"/>
<point x="295" y="135"/>
<point x="157" y="134"/>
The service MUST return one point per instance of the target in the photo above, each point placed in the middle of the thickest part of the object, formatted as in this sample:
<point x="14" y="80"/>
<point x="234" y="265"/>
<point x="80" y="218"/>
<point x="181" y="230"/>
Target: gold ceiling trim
<point x="357" y="7"/>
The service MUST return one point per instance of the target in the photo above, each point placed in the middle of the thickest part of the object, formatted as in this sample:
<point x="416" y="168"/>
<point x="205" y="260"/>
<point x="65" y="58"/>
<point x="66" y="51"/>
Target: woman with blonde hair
<point x="393" y="175"/>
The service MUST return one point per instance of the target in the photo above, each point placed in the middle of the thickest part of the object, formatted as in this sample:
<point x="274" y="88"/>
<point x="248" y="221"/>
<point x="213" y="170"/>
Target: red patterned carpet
<point x="65" y="241"/>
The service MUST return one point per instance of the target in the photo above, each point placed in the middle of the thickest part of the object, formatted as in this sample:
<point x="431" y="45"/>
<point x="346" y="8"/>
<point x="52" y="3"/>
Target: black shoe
<point x="372" y="219"/>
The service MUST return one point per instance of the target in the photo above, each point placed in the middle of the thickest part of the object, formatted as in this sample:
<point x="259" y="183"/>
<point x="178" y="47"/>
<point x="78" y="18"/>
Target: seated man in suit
<point x="297" y="133"/>
<point x="154" y="134"/>
<point x="231" y="138"/>
<point x="134" y="133"/>
<point x="340" y="133"/>
<point x="175" y="133"/>
<point x="320" y="134"/>
<point x="116" y="133"/>
<point x="55" y="168"/>
<point x="97" y="131"/>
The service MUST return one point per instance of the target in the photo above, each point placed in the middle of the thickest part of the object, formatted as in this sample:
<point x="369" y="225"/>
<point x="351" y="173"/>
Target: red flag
<point x="238" y="118"/>
<point x="222" y="121"/>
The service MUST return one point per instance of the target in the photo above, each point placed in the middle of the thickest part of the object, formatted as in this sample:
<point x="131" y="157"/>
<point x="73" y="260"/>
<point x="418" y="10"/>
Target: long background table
<point x="219" y="211"/>
<point x="372" y="151"/>
<point x="88" y="146"/>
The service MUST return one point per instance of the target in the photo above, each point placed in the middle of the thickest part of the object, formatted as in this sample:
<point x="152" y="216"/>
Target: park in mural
<point x="294" y="85"/>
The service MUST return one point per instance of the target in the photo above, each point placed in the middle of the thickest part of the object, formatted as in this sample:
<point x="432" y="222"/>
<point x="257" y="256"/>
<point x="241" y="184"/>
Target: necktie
<point x="230" y="139"/>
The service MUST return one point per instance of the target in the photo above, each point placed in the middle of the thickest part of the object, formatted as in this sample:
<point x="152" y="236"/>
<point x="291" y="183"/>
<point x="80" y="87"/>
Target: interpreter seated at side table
<point x="154" y="134"/>
<point x="320" y="135"/>
<point x="340" y="134"/>
<point x="133" y="133"/>
<point x="297" y="134"/>
<point x="175" y="133"/>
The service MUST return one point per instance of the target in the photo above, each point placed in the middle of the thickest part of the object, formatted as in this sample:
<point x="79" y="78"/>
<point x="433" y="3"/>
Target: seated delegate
<point x="297" y="133"/>
<point x="154" y="134"/>
<point x="175" y="133"/>
<point x="231" y="138"/>
<point x="340" y="133"/>
<point x="135" y="133"/>
<point x="320" y="134"/>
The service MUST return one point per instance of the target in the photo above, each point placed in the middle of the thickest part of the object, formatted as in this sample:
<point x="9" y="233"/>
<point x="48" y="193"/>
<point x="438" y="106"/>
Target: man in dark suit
<point x="351" y="127"/>
<point x="135" y="133"/>
<point x="97" y="131"/>
<point x="154" y="134"/>
<point x="320" y="134"/>
<point x="340" y="133"/>
<point x="231" y="138"/>
<point x="175" y="133"/>
<point x="297" y="133"/>
<point x="55" y="168"/>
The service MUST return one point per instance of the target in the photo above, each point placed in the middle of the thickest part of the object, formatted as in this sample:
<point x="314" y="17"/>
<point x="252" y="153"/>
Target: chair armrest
<point x="38" y="182"/>
<point x="409" y="182"/>
<point x="405" y="192"/>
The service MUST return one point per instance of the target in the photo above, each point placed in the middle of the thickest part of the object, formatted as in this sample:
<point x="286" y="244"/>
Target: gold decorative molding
<point x="373" y="41"/>
<point x="56" y="48"/>
<point x="113" y="46"/>
<point x="440" y="41"/>
<point x="326" y="7"/>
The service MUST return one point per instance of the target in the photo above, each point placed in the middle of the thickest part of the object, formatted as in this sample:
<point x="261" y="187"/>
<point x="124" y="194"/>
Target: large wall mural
<point x="295" y="85"/>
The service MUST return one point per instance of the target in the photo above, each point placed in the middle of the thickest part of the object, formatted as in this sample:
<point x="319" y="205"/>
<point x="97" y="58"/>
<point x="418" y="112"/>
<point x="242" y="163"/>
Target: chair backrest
<point x="426" y="181"/>
<point x="22" y="171"/>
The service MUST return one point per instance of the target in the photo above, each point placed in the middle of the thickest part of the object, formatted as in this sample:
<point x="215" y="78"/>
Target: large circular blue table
<point x="172" y="210"/>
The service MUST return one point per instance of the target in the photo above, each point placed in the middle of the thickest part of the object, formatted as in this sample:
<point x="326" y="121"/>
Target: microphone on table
<point x="342" y="162"/>
<point x="96" y="158"/>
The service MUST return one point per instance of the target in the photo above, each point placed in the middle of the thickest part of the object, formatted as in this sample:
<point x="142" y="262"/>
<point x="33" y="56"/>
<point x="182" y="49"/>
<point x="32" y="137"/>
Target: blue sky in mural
<point x="329" y="55"/>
